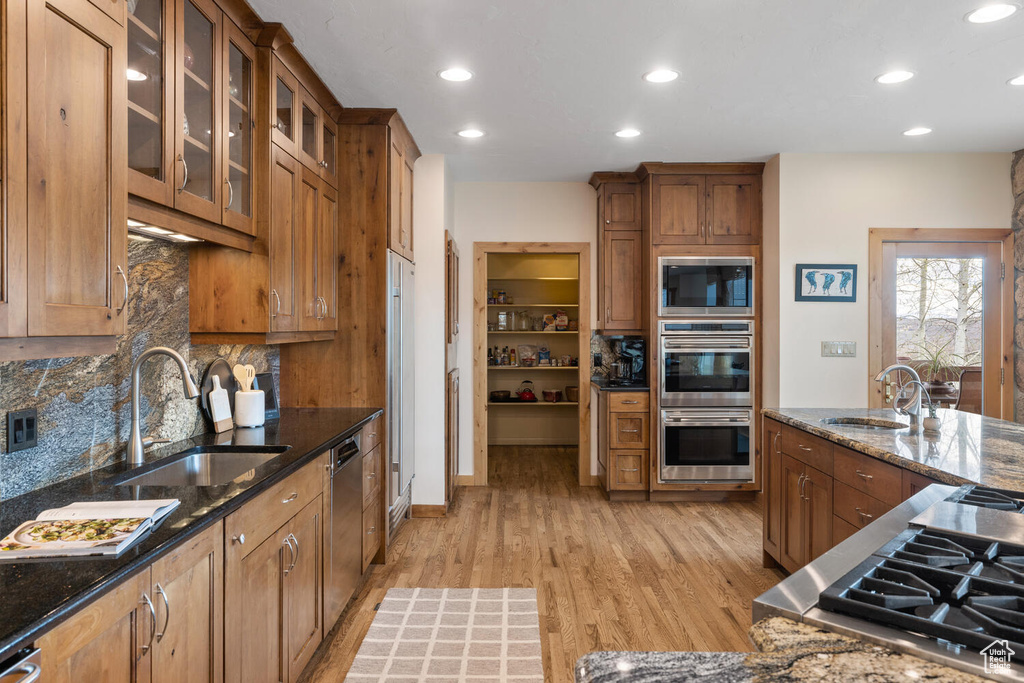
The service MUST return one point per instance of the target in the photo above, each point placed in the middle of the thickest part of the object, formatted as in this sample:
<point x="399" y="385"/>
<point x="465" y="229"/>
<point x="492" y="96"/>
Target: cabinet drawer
<point x="876" y="478"/>
<point x="264" y="515"/>
<point x="372" y="533"/>
<point x="914" y="483"/>
<point x="371" y="435"/>
<point x="841" y="530"/>
<point x="628" y="402"/>
<point x="371" y="476"/>
<point x="629" y="430"/>
<point x="857" y="507"/>
<point x="807" y="448"/>
<point x="627" y="470"/>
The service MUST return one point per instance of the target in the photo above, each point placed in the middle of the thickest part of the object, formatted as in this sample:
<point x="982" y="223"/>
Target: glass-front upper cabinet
<point x="197" y="130"/>
<point x="309" y="141"/>
<point x="150" y="99"/>
<point x="329" y="151"/>
<point x="238" y="124"/>
<point x="285" y="100"/>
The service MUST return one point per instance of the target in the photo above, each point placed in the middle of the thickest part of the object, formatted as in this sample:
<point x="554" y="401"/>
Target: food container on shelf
<point x="523" y="321"/>
<point x="572" y="394"/>
<point x="503" y="320"/>
<point x="525" y="392"/>
<point x="552" y="395"/>
<point x="527" y="355"/>
<point x="501" y="396"/>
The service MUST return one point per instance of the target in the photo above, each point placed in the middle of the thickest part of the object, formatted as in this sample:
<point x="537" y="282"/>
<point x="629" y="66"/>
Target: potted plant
<point x="939" y="368"/>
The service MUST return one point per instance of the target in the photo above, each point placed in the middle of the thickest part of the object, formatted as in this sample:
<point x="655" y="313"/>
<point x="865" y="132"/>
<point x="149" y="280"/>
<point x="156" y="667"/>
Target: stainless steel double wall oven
<point x="706" y="368"/>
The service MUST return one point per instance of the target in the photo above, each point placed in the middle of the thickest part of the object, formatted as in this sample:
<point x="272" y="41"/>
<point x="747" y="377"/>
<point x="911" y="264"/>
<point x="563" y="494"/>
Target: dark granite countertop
<point x="38" y="593"/>
<point x="602" y="384"/>
<point x="968" y="447"/>
<point x="788" y="651"/>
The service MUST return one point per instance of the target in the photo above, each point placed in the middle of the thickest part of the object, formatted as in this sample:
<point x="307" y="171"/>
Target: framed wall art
<point x="826" y="282"/>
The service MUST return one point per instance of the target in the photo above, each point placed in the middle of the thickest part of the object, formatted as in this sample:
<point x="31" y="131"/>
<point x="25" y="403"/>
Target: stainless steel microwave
<point x="705" y="285"/>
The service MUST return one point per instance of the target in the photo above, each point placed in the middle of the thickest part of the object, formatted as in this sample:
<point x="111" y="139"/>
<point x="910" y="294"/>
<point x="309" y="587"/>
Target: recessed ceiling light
<point x="471" y="133"/>
<point x="914" y="132"/>
<point x="627" y="133"/>
<point x="894" y="77"/>
<point x="1017" y="81"/>
<point x="456" y="74"/>
<point x="661" y="76"/>
<point x="133" y="75"/>
<point x="990" y="13"/>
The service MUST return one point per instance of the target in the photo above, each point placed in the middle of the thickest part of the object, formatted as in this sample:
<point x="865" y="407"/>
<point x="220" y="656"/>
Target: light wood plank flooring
<point x="609" y="576"/>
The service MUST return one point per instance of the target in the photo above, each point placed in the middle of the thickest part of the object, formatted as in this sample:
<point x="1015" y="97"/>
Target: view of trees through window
<point x="939" y="314"/>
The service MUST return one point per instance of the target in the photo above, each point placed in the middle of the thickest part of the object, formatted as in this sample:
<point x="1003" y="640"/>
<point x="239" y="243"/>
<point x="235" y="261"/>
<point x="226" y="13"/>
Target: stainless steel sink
<point x="864" y="423"/>
<point x="204" y="466"/>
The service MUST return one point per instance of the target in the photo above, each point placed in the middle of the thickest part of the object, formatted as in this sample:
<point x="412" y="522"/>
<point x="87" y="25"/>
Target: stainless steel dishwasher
<point x="344" y="528"/>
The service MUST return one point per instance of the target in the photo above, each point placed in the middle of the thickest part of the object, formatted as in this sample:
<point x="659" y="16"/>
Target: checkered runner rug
<point x="452" y="635"/>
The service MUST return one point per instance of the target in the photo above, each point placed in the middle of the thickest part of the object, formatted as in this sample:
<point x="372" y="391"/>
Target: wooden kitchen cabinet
<point x="705" y="208"/>
<point x="107" y="641"/>
<point x="806" y="513"/>
<point x="76" y="261"/>
<point x="678" y="209"/>
<point x="13" y="233"/>
<point x="623" y="439"/>
<point x="622" y="245"/>
<point x="451" y="449"/>
<point x="318" y="138"/>
<point x="913" y="483"/>
<point x="772" y="482"/>
<point x="360" y="127"/>
<point x="373" y="474"/>
<point x="190" y="114"/>
<point x="621" y="281"/>
<point x="273" y="580"/>
<point x="317" y="249"/>
<point x="187" y="592"/>
<point x="619" y="206"/>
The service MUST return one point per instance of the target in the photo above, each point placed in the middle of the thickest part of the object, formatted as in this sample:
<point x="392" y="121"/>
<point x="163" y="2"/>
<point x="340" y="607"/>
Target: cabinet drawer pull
<point x="630" y="403"/>
<point x="866" y="477"/>
<point x="124" y="279"/>
<point x="239" y="539"/>
<point x="167" y="611"/>
<point x="371" y="475"/>
<point x="804" y="448"/>
<point x="291" y="553"/>
<point x="800" y="485"/>
<point x="277" y="296"/>
<point x="864" y="514"/>
<point x="775" y="442"/>
<point x="295" y="558"/>
<point x="629" y="431"/>
<point x="372" y="531"/>
<point x="291" y="497"/>
<point x="634" y="469"/>
<point x="184" y="178"/>
<point x="152" y="624"/>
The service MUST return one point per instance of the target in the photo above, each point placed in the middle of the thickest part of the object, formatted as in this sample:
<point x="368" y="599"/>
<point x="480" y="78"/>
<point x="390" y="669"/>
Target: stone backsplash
<point x="601" y="344"/>
<point x="84" y="403"/>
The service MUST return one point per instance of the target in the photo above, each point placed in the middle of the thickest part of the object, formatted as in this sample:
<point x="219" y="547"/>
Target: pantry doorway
<point x="531" y="360"/>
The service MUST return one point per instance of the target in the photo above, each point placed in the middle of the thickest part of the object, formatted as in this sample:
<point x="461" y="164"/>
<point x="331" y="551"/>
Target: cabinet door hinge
<point x="1002" y="271"/>
<point x="1002" y="376"/>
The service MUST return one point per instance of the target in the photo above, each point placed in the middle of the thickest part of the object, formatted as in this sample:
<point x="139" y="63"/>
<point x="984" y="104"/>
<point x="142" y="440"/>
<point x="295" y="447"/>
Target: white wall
<point x="429" y="221"/>
<point x="826" y="205"/>
<point x="513" y="212"/>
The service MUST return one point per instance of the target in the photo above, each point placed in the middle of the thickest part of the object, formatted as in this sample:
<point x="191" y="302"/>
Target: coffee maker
<point x="629" y="365"/>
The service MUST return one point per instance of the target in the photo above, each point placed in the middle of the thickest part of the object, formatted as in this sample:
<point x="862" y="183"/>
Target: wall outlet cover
<point x="22" y="430"/>
<point x="838" y="349"/>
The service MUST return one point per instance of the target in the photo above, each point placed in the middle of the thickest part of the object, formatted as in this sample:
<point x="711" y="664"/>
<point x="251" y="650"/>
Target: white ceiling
<point x="556" y="78"/>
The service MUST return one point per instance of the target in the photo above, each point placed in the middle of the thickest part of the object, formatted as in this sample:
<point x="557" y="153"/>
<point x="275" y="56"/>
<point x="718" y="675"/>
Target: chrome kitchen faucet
<point x="137" y="445"/>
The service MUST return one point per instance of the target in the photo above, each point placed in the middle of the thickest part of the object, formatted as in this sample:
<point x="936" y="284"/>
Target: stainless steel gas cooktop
<point x="941" y="577"/>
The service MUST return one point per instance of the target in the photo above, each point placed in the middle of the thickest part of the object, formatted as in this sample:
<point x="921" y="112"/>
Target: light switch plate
<point x="838" y="349"/>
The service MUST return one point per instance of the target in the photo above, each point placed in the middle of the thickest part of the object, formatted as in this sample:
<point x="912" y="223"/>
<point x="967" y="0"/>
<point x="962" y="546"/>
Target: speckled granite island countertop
<point x="37" y="594"/>
<point x="969" y="448"/>
<point x="788" y="651"/>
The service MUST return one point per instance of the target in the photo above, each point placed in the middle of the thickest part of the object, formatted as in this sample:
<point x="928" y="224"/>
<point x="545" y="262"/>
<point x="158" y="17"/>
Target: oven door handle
<point x="705" y="345"/>
<point x="706" y="421"/>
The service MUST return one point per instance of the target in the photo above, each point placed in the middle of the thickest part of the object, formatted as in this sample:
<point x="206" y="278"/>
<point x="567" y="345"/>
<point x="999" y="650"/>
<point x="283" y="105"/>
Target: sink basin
<point x="864" y="422"/>
<point x="204" y="466"/>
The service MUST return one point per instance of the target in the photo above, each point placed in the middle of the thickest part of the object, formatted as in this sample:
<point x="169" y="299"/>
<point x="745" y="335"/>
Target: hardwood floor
<point x="609" y="576"/>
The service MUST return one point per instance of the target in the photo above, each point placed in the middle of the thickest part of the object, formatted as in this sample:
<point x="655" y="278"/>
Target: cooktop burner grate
<point x="959" y="607"/>
<point x="993" y="499"/>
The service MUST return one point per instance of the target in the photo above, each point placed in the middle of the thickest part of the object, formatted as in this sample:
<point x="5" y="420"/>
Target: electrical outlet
<point x="838" y="349"/>
<point x="22" y="430"/>
<point x="597" y="360"/>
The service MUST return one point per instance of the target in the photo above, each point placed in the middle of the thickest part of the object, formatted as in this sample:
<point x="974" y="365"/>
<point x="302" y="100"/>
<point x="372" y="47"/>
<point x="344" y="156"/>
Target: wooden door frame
<point x="480" y="252"/>
<point x="877" y="237"/>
